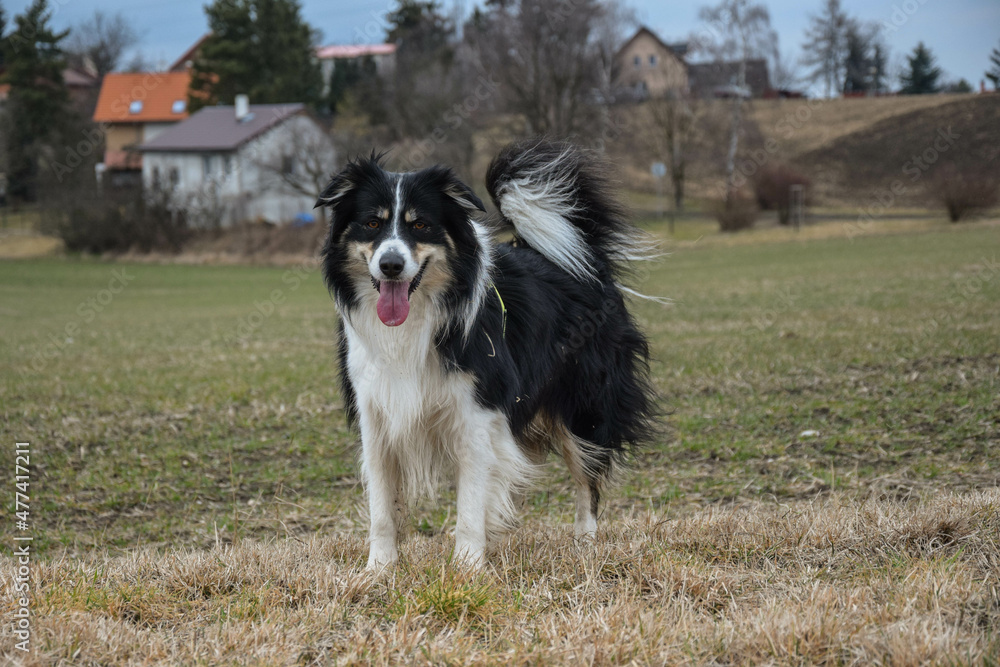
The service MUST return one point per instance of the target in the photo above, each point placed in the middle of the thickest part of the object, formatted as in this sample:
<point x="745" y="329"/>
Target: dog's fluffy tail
<point x="559" y="202"/>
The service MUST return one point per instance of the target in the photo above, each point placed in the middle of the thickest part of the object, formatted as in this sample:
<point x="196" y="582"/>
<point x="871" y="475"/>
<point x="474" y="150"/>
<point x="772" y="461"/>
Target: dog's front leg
<point x="475" y="486"/>
<point x="382" y="486"/>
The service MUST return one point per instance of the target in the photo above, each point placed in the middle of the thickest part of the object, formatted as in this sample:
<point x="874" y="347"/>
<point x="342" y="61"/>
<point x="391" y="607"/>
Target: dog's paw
<point x="469" y="558"/>
<point x="379" y="561"/>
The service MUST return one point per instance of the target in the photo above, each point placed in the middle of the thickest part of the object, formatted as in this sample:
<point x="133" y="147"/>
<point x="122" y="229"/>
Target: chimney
<point x="242" y="107"/>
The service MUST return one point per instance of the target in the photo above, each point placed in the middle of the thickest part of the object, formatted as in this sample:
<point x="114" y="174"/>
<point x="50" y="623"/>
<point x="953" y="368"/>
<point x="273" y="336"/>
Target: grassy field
<point x="825" y="489"/>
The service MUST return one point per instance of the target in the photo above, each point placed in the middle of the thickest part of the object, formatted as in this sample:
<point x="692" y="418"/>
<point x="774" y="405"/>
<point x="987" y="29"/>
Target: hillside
<point x="801" y="126"/>
<point x="911" y="147"/>
<point x="847" y="146"/>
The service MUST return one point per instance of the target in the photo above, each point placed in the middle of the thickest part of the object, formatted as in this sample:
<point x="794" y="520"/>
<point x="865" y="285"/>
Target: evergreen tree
<point x="922" y="77"/>
<point x="357" y="77"/>
<point x="880" y="60"/>
<point x="993" y="73"/>
<point x="425" y="82"/>
<point x="345" y="75"/>
<point x="857" y="63"/>
<point x="261" y="48"/>
<point x="419" y="27"/>
<point x="3" y="33"/>
<point x="38" y="105"/>
<point x="960" y="86"/>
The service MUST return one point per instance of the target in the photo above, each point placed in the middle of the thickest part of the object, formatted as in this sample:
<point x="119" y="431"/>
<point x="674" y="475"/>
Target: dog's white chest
<point x="401" y="387"/>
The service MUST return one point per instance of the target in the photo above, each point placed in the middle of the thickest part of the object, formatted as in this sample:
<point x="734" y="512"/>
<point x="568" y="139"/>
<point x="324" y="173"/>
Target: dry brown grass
<point x="801" y="126"/>
<point x="25" y="246"/>
<point x="828" y="581"/>
<point x="819" y="231"/>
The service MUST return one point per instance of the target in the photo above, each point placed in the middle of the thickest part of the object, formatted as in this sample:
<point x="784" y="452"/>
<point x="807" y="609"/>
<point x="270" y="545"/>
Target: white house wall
<point x="247" y="192"/>
<point x="275" y="201"/>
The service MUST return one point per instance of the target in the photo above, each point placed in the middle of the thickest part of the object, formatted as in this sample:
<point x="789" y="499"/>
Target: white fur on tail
<point x="539" y="205"/>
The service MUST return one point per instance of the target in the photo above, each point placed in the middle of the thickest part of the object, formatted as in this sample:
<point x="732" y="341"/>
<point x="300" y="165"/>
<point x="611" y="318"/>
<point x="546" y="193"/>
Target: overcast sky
<point x="961" y="33"/>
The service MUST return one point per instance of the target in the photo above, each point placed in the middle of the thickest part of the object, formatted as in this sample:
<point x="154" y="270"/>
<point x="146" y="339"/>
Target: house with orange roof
<point x="135" y="107"/>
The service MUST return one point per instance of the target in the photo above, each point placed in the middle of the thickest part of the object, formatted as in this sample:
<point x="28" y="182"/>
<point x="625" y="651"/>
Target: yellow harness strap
<point x="503" y="308"/>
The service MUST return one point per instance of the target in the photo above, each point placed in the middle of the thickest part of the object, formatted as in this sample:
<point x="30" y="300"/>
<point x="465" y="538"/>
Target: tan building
<point x="646" y="67"/>
<point x="133" y="108"/>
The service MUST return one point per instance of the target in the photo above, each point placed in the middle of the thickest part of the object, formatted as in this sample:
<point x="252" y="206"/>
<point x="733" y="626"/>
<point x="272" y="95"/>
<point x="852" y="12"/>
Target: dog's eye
<point x="373" y="224"/>
<point x="418" y="225"/>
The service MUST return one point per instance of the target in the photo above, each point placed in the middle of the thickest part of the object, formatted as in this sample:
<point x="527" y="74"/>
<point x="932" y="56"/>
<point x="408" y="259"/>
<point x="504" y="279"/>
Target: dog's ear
<point x="355" y="172"/>
<point x="463" y="195"/>
<point x="339" y="186"/>
<point x="445" y="180"/>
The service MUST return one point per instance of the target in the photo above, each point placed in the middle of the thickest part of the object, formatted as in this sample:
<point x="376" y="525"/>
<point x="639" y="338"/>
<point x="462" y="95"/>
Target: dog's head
<point x="399" y="231"/>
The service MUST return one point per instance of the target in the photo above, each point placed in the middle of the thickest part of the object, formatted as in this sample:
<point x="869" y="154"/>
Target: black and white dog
<point x="460" y="354"/>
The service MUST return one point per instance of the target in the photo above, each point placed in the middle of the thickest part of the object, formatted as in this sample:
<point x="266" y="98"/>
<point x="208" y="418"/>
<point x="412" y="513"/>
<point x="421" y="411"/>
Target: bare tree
<point x="863" y="57"/>
<point x="784" y="70"/>
<point x="425" y="81"/>
<point x="826" y="46"/>
<point x="101" y="41"/>
<point x="610" y="31"/>
<point x="672" y="120"/>
<point x="739" y="30"/>
<point x="139" y="63"/>
<point x="303" y="165"/>
<point x="548" y="57"/>
<point x="880" y="64"/>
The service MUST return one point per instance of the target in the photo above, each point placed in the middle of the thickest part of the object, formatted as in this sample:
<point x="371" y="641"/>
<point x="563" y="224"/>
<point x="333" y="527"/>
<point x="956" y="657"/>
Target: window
<point x="637" y="61"/>
<point x="227" y="165"/>
<point x="287" y="165"/>
<point x="135" y="106"/>
<point x="175" y="177"/>
<point x="652" y="60"/>
<point x="206" y="166"/>
<point x="178" y="106"/>
<point x="156" y="178"/>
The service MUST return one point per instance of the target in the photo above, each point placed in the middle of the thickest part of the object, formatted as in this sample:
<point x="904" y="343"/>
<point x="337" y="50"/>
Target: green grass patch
<point x="186" y="406"/>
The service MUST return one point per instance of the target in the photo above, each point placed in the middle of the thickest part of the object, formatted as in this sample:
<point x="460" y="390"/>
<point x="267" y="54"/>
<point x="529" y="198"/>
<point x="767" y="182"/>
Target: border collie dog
<point x="464" y="356"/>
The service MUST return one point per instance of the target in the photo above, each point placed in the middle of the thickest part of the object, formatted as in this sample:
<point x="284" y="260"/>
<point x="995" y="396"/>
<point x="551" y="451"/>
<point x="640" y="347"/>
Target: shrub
<point x="772" y="187"/>
<point x="964" y="192"/>
<point x="118" y="220"/>
<point x="736" y="214"/>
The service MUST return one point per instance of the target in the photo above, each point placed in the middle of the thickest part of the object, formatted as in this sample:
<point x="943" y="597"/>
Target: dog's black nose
<point x="391" y="264"/>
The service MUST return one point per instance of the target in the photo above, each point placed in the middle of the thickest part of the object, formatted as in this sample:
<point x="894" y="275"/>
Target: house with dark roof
<point x="646" y="67"/>
<point x="228" y="164"/>
<point x="721" y="79"/>
<point x="82" y="88"/>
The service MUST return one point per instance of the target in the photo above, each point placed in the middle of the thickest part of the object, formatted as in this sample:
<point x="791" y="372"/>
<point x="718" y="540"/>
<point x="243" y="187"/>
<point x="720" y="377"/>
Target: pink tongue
<point x="393" y="302"/>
